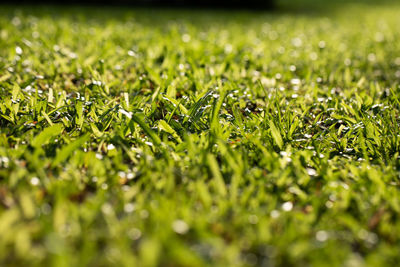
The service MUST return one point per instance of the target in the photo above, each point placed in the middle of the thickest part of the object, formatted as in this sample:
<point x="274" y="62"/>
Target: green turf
<point x="200" y="138"/>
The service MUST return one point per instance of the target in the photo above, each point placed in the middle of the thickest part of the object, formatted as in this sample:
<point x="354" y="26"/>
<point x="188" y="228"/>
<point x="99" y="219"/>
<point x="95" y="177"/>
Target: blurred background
<point x="160" y="3"/>
<point x="305" y="5"/>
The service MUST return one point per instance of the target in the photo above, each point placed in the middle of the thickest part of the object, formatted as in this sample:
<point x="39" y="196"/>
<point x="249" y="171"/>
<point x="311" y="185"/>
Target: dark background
<point x="155" y="3"/>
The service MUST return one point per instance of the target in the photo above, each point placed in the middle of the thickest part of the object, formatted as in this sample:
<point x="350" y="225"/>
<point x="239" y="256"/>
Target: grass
<point x="199" y="138"/>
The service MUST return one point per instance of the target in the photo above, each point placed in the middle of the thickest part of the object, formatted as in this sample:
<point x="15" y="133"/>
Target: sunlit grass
<point x="199" y="138"/>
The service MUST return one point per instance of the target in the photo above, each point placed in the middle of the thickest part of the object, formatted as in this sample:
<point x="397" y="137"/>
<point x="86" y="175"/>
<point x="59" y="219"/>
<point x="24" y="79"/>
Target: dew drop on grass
<point x="104" y="186"/>
<point x="273" y="35"/>
<point x="4" y="162"/>
<point x="322" y="236"/>
<point x="287" y="206"/>
<point x="96" y="82"/>
<point x="149" y="143"/>
<point x="129" y="208"/>
<point x="72" y="55"/>
<point x="228" y="48"/>
<point x="110" y="147"/>
<point x="253" y="219"/>
<point x="35" y="181"/>
<point x="186" y="38"/>
<point x="16" y="21"/>
<point x="297" y="42"/>
<point x="295" y="81"/>
<point x="144" y="214"/>
<point x="134" y="234"/>
<point x="126" y="113"/>
<point x="180" y="227"/>
<point x="18" y="50"/>
<point x="313" y="56"/>
<point x="275" y="214"/>
<point x="35" y="34"/>
<point x="131" y="53"/>
<point x="371" y="57"/>
<point x="329" y="204"/>
<point x="126" y="188"/>
<point x="130" y="176"/>
<point x="369" y="237"/>
<point x="311" y="172"/>
<point x="106" y="208"/>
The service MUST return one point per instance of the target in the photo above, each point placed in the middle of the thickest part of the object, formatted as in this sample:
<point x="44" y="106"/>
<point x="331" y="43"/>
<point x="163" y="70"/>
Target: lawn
<point x="140" y="137"/>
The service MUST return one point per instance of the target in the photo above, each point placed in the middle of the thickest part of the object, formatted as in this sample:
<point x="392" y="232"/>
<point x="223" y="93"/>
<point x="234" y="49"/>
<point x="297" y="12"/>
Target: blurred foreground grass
<point x="200" y="138"/>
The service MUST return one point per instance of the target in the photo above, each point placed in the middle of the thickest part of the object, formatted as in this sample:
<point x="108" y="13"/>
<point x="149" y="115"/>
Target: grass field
<point x="200" y="138"/>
